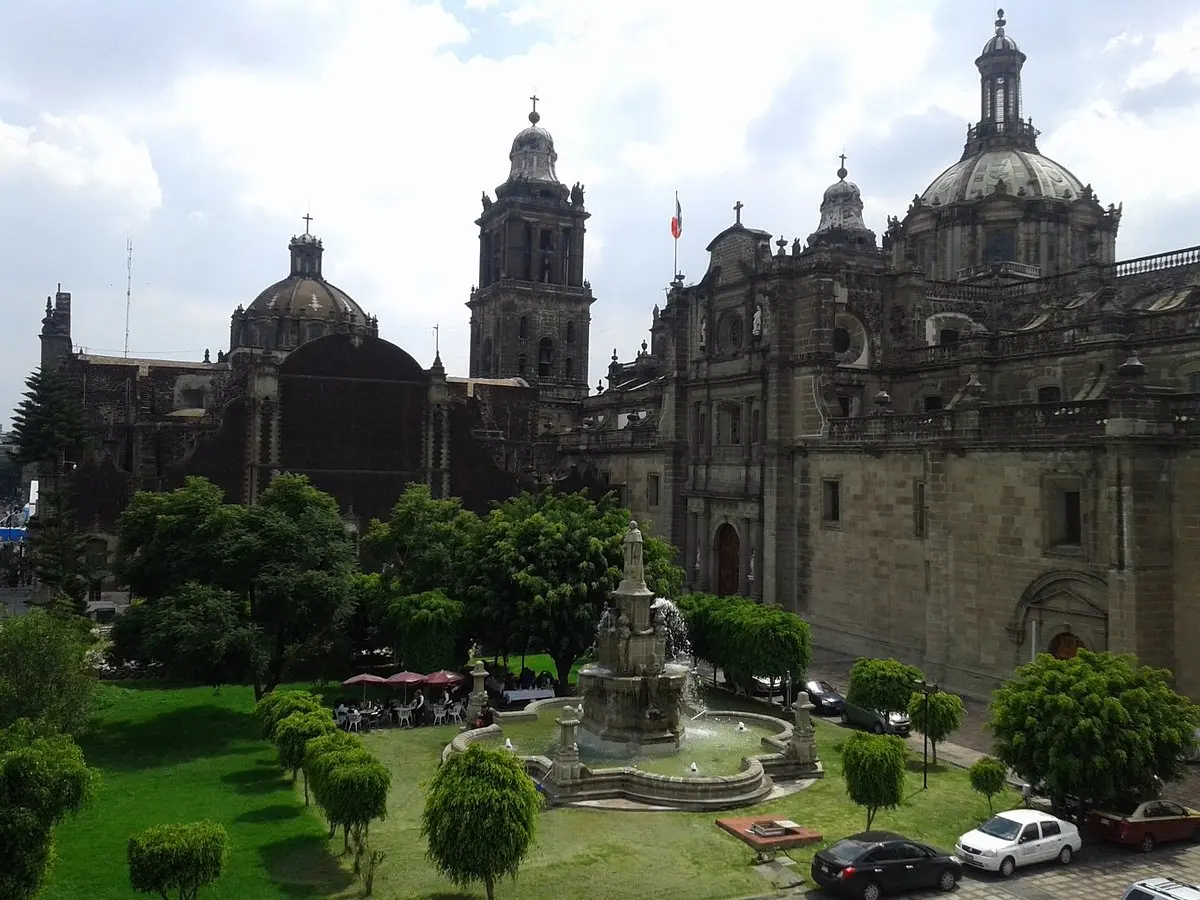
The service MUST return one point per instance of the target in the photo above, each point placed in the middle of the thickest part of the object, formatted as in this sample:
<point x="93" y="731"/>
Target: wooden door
<point x="1065" y="645"/>
<point x="728" y="561"/>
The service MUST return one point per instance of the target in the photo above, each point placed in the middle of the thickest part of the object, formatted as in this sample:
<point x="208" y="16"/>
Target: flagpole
<point x="675" y="240"/>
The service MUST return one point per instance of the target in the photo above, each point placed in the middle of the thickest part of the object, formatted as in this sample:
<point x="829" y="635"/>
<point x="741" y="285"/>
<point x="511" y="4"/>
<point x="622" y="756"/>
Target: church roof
<point x="532" y="157"/>
<point x="1023" y="172"/>
<point x="305" y="296"/>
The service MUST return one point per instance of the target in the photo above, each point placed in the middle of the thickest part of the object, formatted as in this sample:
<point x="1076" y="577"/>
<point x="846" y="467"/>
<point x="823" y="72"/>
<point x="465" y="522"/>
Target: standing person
<point x="418" y="707"/>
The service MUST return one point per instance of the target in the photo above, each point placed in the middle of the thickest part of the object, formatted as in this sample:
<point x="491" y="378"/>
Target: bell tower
<point x="530" y="314"/>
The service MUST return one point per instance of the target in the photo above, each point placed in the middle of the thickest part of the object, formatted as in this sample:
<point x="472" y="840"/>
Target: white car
<point x="1019" y="837"/>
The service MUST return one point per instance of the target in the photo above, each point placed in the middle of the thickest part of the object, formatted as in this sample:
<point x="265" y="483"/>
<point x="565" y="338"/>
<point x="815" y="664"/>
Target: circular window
<point x="841" y="339"/>
<point x="733" y="332"/>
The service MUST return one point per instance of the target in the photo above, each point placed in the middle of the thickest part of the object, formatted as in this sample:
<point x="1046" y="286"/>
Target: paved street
<point x="1097" y="873"/>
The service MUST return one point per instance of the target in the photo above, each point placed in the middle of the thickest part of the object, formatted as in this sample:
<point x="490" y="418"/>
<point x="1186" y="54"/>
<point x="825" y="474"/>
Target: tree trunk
<point x="933" y="749"/>
<point x="489" y="885"/>
<point x="870" y="816"/>
<point x="345" y="839"/>
<point x="305" y="786"/>
<point x="563" y="663"/>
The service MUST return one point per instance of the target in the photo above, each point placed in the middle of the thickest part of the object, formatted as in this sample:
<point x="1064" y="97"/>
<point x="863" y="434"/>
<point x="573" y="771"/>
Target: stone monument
<point x="478" y="701"/>
<point x="632" y="695"/>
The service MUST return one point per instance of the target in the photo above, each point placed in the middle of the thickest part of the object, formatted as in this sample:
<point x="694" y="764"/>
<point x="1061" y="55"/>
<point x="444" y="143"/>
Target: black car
<point x="825" y="700"/>
<point x="875" y="863"/>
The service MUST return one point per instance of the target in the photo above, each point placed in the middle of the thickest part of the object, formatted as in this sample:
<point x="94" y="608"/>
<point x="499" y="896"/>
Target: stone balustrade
<point x="611" y="439"/>
<point x="987" y="423"/>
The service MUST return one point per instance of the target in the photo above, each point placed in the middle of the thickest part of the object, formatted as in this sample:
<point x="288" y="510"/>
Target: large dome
<point x="1023" y="172"/>
<point x="301" y="296"/>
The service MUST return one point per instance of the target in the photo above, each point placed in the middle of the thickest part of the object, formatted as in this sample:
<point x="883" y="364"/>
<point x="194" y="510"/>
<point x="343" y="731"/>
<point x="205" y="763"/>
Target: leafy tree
<point x="199" y="633"/>
<point x="44" y="674"/>
<point x="937" y="718"/>
<point x="560" y="556"/>
<point x="168" y="539"/>
<point x="1099" y="727"/>
<point x="884" y="685"/>
<point x="422" y="545"/>
<point x="293" y="733"/>
<point x="747" y="639"/>
<point x="289" y="557"/>
<point x="57" y="554"/>
<point x="354" y="793"/>
<point x="278" y="705"/>
<point x="429" y="631"/>
<point x="43" y="780"/>
<point x="989" y="777"/>
<point x="873" y="766"/>
<point x="177" y="858"/>
<point x="480" y="791"/>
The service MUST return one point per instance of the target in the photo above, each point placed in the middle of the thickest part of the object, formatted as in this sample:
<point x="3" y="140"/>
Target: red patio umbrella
<point x="444" y="677"/>
<point x="405" y="679"/>
<point x="364" y="679"/>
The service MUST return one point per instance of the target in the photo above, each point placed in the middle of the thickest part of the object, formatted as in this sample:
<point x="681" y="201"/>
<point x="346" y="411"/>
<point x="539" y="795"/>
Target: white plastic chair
<point x="455" y="713"/>
<point x="355" y="722"/>
<point x="404" y="716"/>
<point x="439" y="715"/>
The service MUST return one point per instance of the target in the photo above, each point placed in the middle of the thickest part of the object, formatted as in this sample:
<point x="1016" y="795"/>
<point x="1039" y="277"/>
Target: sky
<point x="203" y="132"/>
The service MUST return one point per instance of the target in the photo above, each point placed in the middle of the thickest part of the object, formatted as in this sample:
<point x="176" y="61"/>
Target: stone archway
<point x="728" y="560"/>
<point x="1065" y="645"/>
<point x="1061" y="612"/>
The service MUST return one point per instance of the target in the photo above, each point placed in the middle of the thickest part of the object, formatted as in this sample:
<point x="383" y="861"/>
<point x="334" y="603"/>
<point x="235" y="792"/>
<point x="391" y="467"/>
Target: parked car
<point x="1161" y="889"/>
<point x="1019" y="837"/>
<point x="1146" y="824"/>
<point x="874" y="863"/>
<point x="825" y="700"/>
<point x="873" y="720"/>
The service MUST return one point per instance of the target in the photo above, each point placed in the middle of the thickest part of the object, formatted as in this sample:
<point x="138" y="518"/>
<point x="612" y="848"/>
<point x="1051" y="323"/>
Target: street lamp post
<point x="926" y="690"/>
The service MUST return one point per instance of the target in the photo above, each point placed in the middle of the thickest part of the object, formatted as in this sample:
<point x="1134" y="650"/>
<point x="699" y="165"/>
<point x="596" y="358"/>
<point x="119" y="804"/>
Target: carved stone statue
<point x="703" y="332"/>
<point x="756" y="325"/>
<point x="487" y="201"/>
<point x="624" y="633"/>
<point x="634" y="569"/>
<point x="796" y="247"/>
<point x="577" y="194"/>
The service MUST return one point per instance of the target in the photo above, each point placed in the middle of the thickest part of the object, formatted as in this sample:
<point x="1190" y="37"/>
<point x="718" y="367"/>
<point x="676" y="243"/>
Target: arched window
<point x="570" y="332"/>
<point x="545" y="357"/>
<point x="523" y="328"/>
<point x="948" y="336"/>
<point x="570" y="368"/>
<point x="485" y="359"/>
<point x="521" y="364"/>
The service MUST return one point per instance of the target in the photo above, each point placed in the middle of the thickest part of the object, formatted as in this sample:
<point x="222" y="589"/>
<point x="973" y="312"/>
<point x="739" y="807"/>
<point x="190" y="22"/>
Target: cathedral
<point x="964" y="442"/>
<point x="971" y="440"/>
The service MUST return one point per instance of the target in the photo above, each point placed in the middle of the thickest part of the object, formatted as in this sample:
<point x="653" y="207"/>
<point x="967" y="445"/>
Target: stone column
<point x="745" y="545"/>
<point x="479" y="699"/>
<point x="445" y="450"/>
<point x="691" y="547"/>
<point x="702" y="562"/>
<point x="567" y="768"/>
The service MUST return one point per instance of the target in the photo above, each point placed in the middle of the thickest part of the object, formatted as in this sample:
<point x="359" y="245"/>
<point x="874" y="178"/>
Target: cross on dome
<point x="535" y="116"/>
<point x="737" y="209"/>
<point x="307" y="222"/>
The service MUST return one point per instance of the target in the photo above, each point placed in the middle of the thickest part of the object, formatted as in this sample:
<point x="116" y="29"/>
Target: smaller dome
<point x="1000" y="42"/>
<point x="842" y="215"/>
<point x="533" y="155"/>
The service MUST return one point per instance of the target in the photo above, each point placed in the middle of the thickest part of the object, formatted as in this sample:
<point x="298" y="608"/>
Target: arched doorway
<point x="728" y="561"/>
<point x="1065" y="645"/>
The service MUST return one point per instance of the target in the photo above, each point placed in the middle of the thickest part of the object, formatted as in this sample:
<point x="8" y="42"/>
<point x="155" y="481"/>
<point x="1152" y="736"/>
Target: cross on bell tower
<point x="737" y="209"/>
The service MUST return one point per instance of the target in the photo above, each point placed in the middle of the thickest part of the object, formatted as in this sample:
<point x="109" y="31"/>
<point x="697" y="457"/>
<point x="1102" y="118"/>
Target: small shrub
<point x="873" y="766"/>
<point x="177" y="858"/>
<point x="989" y="777"/>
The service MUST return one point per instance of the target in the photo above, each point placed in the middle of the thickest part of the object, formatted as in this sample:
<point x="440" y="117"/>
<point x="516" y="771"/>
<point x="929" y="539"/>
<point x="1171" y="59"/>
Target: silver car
<point x="875" y="721"/>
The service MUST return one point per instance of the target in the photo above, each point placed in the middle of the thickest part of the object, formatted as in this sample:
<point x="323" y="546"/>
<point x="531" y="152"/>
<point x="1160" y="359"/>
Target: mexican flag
<point x="677" y="220"/>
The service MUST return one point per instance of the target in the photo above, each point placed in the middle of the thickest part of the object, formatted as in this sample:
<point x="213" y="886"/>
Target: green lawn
<point x="178" y="755"/>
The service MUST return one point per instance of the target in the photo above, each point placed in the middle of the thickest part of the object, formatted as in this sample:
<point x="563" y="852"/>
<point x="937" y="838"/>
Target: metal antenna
<point x="128" y="288"/>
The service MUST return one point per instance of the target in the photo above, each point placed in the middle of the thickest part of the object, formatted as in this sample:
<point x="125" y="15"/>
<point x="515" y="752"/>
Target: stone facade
<point x="975" y="442"/>
<point x="307" y="387"/>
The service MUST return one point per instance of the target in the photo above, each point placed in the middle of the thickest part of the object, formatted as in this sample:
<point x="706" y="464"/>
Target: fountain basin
<point x="748" y="771"/>
<point x="632" y="715"/>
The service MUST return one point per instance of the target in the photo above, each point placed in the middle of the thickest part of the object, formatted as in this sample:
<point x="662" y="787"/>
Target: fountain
<point x="633" y="695"/>
<point x="620" y="738"/>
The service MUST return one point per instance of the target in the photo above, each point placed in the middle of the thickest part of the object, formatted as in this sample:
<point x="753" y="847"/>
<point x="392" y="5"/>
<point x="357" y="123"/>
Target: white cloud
<point x="1175" y="51"/>
<point x="84" y="153"/>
